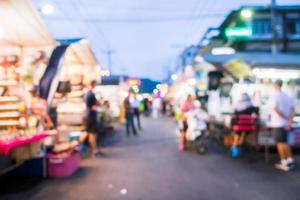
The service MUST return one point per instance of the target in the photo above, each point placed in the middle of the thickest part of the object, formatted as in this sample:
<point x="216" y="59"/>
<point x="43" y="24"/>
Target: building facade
<point x="257" y="28"/>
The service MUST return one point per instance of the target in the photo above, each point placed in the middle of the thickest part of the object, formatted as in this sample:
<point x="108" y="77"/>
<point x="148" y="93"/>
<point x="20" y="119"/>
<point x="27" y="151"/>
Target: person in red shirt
<point x="186" y="107"/>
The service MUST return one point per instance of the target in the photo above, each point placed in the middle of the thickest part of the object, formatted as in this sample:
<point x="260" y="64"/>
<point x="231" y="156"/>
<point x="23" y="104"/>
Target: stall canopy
<point x="68" y="61"/>
<point x="21" y="25"/>
<point x="80" y="59"/>
<point x="81" y="53"/>
<point x="258" y="59"/>
<point x="238" y="68"/>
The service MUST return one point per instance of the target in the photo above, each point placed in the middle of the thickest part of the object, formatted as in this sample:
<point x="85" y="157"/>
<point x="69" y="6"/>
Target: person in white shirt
<point x="156" y="105"/>
<point x="135" y="103"/>
<point x="281" y="122"/>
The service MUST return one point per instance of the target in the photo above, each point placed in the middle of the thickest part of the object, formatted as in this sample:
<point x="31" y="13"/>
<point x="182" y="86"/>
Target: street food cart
<point x="254" y="73"/>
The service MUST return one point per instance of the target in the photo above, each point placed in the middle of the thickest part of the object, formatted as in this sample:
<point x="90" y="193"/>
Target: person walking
<point x="156" y="106"/>
<point x="147" y="106"/>
<point x="282" y="115"/>
<point x="187" y="106"/>
<point x="136" y="110"/>
<point x="129" y="115"/>
<point x="91" y="117"/>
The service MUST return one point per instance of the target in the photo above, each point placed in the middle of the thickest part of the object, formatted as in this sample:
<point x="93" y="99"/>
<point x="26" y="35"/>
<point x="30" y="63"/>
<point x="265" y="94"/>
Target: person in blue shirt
<point x="129" y="115"/>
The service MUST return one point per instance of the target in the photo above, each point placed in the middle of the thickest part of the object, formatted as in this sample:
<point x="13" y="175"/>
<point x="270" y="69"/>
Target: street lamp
<point x="246" y="13"/>
<point x="47" y="9"/>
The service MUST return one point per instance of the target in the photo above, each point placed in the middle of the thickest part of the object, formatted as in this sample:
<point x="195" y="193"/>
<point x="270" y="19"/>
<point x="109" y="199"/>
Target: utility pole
<point x="181" y="61"/>
<point x="274" y="27"/>
<point x="109" y="52"/>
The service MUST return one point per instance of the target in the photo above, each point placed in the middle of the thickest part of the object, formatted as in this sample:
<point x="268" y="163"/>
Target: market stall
<point x="255" y="73"/>
<point x="111" y="90"/>
<point x="21" y="37"/>
<point x="193" y="80"/>
<point x="65" y="95"/>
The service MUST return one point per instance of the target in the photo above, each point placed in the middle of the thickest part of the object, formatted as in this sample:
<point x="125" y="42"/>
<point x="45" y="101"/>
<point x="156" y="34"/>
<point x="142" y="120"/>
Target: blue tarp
<point x="51" y="70"/>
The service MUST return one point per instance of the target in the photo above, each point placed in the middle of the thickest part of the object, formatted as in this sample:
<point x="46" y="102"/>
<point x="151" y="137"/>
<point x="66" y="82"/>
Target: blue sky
<point x="146" y="36"/>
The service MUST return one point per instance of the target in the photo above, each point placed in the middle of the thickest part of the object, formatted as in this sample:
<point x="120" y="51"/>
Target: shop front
<point x="195" y="80"/>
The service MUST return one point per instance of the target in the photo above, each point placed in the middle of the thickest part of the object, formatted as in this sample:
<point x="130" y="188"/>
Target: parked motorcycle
<point x="195" y="135"/>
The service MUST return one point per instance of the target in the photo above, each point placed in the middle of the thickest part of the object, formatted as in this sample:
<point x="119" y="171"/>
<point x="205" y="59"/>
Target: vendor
<point x="39" y="66"/>
<point x="38" y="107"/>
<point x="243" y="107"/>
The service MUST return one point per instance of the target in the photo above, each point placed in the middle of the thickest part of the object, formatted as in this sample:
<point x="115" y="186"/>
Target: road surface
<point x="149" y="167"/>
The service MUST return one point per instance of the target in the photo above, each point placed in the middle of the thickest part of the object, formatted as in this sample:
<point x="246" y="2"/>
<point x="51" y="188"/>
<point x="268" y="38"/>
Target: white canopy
<point x="80" y="59"/>
<point x="81" y="53"/>
<point x="20" y="25"/>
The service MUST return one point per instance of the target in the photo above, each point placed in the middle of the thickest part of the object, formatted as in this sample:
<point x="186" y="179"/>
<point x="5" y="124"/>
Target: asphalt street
<point x="149" y="167"/>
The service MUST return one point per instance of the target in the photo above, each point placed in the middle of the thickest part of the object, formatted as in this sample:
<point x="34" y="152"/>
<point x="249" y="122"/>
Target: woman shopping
<point x="187" y="106"/>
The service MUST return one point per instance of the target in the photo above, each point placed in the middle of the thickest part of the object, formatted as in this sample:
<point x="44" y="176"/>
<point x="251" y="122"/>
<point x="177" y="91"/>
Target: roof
<point x="258" y="59"/>
<point x="21" y="25"/>
<point x="148" y="85"/>
<point x="232" y="14"/>
<point x="278" y="7"/>
<point x="110" y="80"/>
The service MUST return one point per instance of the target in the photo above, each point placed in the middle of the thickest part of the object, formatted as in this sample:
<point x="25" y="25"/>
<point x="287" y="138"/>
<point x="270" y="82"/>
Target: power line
<point x="138" y="20"/>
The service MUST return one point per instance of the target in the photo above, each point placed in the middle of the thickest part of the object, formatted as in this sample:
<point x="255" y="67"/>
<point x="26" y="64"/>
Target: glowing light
<point x="133" y="81"/>
<point x="123" y="191"/>
<point x="238" y="32"/>
<point x="223" y="51"/>
<point x="135" y="88"/>
<point x="140" y="97"/>
<point x="47" y="9"/>
<point x="104" y="73"/>
<point x="158" y="86"/>
<point x="192" y="81"/>
<point x="276" y="74"/>
<point x="155" y="91"/>
<point x="246" y="14"/>
<point x="199" y="59"/>
<point x="202" y="87"/>
<point x="174" y="77"/>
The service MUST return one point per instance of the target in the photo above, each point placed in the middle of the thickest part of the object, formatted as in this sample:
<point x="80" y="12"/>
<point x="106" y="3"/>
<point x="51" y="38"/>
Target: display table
<point x="5" y="147"/>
